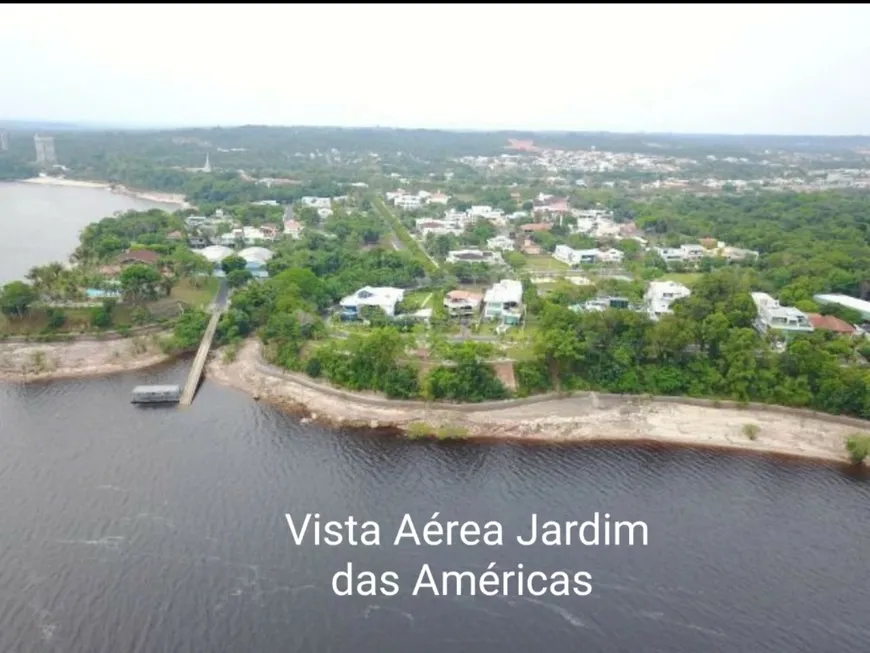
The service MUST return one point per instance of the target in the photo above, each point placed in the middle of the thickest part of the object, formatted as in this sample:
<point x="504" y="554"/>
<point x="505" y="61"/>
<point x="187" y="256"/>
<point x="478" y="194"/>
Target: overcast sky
<point x="774" y="69"/>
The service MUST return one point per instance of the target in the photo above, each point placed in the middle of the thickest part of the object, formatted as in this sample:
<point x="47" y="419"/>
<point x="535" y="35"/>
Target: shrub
<point x="858" y="446"/>
<point x="751" y="431"/>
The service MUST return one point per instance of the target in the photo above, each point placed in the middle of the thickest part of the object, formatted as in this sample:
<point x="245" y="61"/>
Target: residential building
<point x="385" y="298"/>
<point x="439" y="198"/>
<point x="317" y="202"/>
<point x="480" y="211"/>
<point x="474" y="256"/>
<point x="501" y="243"/>
<point x="860" y="305"/>
<point x="407" y="202"/>
<point x="670" y="254"/>
<point x="293" y="229"/>
<point x="785" y="320"/>
<point x="601" y="304"/>
<point x="830" y="323"/>
<point x="660" y="296"/>
<point x="462" y="302"/>
<point x="504" y="301"/>
<point x="535" y="227"/>
<point x="573" y="257"/>
<point x="45" y="154"/>
<point x="138" y="256"/>
<point x="426" y="226"/>
<point x="694" y="253"/>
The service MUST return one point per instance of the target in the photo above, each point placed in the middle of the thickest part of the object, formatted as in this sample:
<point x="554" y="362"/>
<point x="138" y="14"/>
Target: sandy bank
<point x="580" y="418"/>
<point x="151" y="196"/>
<point x="30" y="361"/>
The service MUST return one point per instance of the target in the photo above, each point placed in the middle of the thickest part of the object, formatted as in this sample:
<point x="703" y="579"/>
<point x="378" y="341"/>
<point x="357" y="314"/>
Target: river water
<point x="129" y="529"/>
<point x="41" y="223"/>
<point x="149" y="530"/>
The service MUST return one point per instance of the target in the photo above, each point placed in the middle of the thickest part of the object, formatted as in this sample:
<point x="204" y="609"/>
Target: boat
<point x="156" y="394"/>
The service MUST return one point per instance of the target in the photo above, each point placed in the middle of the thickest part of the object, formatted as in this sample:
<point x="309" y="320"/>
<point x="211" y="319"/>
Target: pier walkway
<point x="195" y="374"/>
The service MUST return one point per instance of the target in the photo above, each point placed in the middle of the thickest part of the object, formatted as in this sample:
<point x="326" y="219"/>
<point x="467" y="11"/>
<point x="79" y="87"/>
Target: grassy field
<point x="191" y="295"/>
<point x="685" y="278"/>
<point x="77" y="320"/>
<point x="543" y="262"/>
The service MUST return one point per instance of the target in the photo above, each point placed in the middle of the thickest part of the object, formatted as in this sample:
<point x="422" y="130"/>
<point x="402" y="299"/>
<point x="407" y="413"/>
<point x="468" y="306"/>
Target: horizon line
<point x="95" y="125"/>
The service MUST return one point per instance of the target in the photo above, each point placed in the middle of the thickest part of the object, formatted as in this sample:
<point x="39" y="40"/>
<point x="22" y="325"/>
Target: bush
<point x="751" y="431"/>
<point x="858" y="446"/>
<point x="56" y="318"/>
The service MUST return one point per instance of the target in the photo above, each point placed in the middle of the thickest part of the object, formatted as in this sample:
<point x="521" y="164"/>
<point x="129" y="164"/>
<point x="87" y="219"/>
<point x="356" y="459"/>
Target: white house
<point x="407" y="202"/>
<point x="501" y="243"/>
<point x="611" y="255"/>
<point x="573" y="257"/>
<point x="670" y="254"/>
<point x="660" y="295"/>
<point x="461" y="302"/>
<point x="480" y="211"/>
<point x="439" y="198"/>
<point x="504" y="301"/>
<point x="772" y="315"/>
<point x="384" y="298"/>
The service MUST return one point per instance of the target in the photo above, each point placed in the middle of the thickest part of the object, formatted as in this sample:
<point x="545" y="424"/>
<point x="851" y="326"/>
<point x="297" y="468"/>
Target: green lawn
<point x="77" y="320"/>
<point x="543" y="262"/>
<point x="685" y="278"/>
<point x="200" y="295"/>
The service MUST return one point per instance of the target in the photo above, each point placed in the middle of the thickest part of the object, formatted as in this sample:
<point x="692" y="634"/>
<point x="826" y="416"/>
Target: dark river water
<point x="128" y="529"/>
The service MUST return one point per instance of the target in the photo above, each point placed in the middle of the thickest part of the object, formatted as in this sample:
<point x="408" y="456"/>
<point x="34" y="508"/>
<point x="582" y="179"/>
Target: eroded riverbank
<point x="33" y="361"/>
<point x="583" y="417"/>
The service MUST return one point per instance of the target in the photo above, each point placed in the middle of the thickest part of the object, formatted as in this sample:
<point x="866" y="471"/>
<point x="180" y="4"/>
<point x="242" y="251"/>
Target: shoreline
<point x="151" y="196"/>
<point x="24" y="362"/>
<point x="580" y="418"/>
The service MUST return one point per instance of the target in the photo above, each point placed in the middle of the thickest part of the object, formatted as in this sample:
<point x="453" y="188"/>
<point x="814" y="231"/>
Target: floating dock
<point x="156" y="394"/>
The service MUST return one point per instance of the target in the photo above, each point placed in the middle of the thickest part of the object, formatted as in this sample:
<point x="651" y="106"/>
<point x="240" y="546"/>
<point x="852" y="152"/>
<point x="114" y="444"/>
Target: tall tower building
<point x="45" y="155"/>
<point x="207" y="166"/>
<point x="4" y="140"/>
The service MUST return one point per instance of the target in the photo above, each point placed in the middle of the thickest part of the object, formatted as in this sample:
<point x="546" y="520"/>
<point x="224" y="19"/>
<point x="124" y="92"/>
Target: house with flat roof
<point x="504" y="301"/>
<point x="785" y="320"/>
<point x="660" y="295"/>
<point x="385" y="298"/>
<point x="860" y="305"/>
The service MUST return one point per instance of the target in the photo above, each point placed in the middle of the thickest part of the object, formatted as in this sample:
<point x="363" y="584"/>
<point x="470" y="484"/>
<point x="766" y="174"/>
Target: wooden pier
<point x="199" y="362"/>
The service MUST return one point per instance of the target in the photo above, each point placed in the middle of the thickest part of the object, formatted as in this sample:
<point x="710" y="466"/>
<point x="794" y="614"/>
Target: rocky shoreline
<point x="580" y="418"/>
<point x="573" y="419"/>
<point x="33" y="361"/>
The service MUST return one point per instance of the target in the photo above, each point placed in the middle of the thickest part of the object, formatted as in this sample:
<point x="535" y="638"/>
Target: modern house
<point x="384" y="298"/>
<point x="214" y="253"/>
<point x="785" y="320"/>
<point x="462" y="302"/>
<point x="504" y="301"/>
<point x="660" y="295"/>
